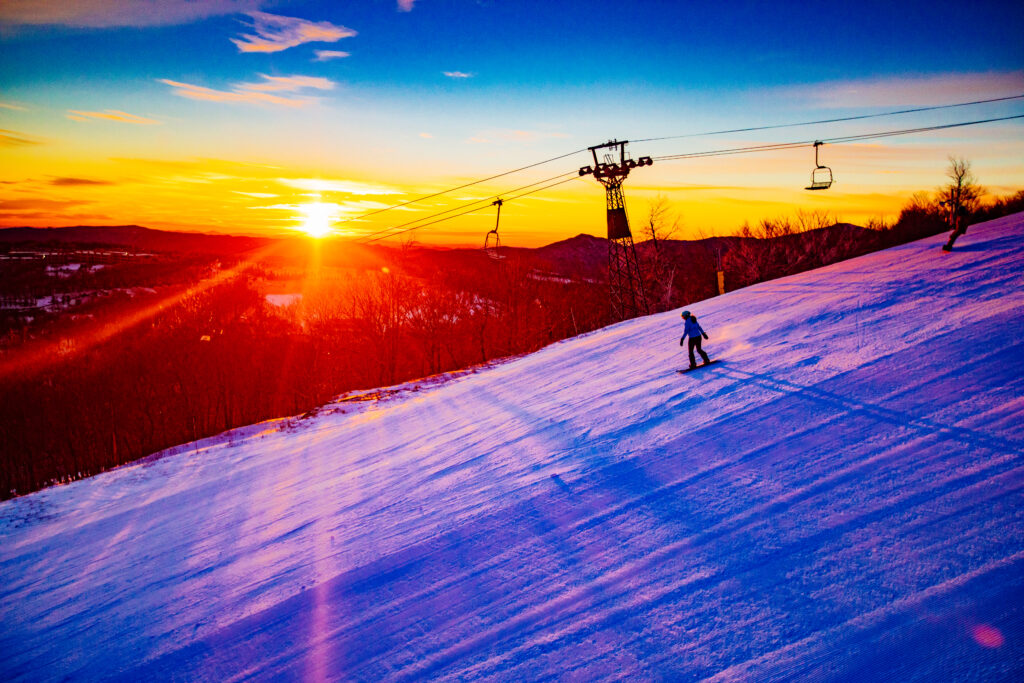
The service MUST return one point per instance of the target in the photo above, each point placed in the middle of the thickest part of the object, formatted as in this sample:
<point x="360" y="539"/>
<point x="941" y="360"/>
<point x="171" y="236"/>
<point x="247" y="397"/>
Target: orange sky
<point x="711" y="195"/>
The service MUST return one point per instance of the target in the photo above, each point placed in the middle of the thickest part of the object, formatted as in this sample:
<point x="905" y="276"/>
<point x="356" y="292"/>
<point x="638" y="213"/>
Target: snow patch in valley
<point x="282" y="300"/>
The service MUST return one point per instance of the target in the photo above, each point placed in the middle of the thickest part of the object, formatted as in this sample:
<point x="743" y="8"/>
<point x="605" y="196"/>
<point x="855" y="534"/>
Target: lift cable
<point x="672" y="137"/>
<point x="833" y="141"/>
<point x="459" y="187"/>
<point x="574" y="176"/>
<point x="478" y="204"/>
<point x="837" y="120"/>
<point x="474" y="203"/>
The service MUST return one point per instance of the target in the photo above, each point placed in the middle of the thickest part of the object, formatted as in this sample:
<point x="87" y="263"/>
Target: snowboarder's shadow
<point x="972" y="438"/>
<point x="969" y="248"/>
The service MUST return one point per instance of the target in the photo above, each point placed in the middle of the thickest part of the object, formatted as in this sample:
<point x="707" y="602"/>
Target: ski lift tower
<point x="625" y="285"/>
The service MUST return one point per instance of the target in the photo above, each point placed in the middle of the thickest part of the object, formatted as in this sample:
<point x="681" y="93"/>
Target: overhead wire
<point x="673" y="137"/>
<point x="560" y="179"/>
<point x="574" y="176"/>
<point x="835" y="120"/>
<point x="835" y="140"/>
<point x="459" y="187"/>
<point x="480" y="202"/>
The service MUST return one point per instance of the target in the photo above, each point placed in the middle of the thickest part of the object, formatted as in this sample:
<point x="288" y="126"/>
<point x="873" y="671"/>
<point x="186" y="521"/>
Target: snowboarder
<point x="693" y="332"/>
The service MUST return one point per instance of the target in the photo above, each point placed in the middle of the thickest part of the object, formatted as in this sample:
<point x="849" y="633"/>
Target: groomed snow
<point x="841" y="497"/>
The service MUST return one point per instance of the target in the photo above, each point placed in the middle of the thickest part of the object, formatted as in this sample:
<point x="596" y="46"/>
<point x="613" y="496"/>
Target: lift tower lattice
<point x="625" y="284"/>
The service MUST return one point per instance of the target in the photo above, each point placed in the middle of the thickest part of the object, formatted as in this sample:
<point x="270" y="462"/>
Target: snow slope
<point x="840" y="498"/>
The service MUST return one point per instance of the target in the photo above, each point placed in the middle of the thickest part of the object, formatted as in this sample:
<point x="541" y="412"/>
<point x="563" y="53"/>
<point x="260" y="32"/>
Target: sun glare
<point x="317" y="218"/>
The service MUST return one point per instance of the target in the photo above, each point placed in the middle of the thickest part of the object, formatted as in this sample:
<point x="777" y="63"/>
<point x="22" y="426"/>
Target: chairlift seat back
<point x="821" y="178"/>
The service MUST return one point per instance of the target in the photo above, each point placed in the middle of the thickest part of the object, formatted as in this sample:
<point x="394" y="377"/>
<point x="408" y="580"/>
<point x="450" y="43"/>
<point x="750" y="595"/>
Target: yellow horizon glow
<point x="715" y="196"/>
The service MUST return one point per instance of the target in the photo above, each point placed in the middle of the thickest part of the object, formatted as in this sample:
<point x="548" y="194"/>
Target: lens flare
<point x="987" y="636"/>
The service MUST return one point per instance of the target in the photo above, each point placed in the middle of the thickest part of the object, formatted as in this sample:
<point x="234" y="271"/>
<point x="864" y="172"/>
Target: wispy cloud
<point x="327" y="55"/>
<point x="274" y="33"/>
<point x="458" y="74"/>
<point x="513" y="135"/>
<point x="256" y="93"/>
<point x="344" y="212"/>
<point x="38" y="204"/>
<point x="198" y="92"/>
<point x="426" y="135"/>
<point x="11" y="138"/>
<point x="287" y="83"/>
<point x="110" y="115"/>
<point x="109" y="13"/>
<point x="52" y="216"/>
<point x="12" y="106"/>
<point x="73" y="182"/>
<point x="406" y="5"/>
<point x="907" y="90"/>
<point x="526" y="135"/>
<point x="341" y="186"/>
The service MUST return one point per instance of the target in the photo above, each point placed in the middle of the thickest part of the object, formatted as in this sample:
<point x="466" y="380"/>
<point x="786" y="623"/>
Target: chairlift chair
<point x="821" y="176"/>
<point x="492" y="242"/>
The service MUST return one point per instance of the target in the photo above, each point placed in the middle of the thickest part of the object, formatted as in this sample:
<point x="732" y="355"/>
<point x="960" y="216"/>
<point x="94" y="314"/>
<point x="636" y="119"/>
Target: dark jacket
<point x="693" y="329"/>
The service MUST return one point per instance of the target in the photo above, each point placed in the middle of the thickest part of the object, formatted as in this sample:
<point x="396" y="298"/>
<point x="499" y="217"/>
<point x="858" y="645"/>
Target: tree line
<point x="221" y="356"/>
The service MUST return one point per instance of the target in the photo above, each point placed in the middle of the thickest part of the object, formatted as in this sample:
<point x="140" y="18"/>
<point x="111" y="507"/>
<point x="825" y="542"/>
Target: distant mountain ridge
<point x="582" y="255"/>
<point x="135" y="237"/>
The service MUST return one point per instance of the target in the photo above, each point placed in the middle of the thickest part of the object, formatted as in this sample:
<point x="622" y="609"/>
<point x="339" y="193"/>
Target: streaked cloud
<point x="274" y="33"/>
<point x="514" y="135"/>
<point x="11" y="138"/>
<point x="257" y="195"/>
<point x="38" y="204"/>
<point x="406" y="5"/>
<point x="198" y="163"/>
<point x="73" y="182"/>
<point x="50" y="216"/>
<point x="287" y="83"/>
<point x="426" y="135"/>
<point x="256" y="93"/>
<point x="110" y="115"/>
<point x="344" y="212"/>
<point x="111" y="13"/>
<point x="12" y="106"/>
<point x="340" y="186"/>
<point x="327" y="55"/>
<point x="198" y="92"/>
<point x="907" y="90"/>
<point x="526" y="135"/>
<point x="458" y="74"/>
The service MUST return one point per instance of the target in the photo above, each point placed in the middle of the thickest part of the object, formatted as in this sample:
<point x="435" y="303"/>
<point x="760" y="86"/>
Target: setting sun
<point x="317" y="218"/>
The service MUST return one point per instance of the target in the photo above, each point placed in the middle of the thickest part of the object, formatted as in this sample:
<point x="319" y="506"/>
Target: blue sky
<point x="660" y="44"/>
<point x="425" y="92"/>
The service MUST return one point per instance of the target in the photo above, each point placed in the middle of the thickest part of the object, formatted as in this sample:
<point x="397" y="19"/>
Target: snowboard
<point x="703" y="365"/>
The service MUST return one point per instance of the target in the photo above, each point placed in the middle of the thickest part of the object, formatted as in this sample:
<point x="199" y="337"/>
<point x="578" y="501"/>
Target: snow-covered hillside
<point x="842" y="497"/>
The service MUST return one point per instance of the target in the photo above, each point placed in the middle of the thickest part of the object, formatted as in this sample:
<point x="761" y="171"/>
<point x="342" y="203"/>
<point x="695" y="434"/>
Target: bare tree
<point x="663" y="221"/>
<point x="963" y="190"/>
<point x="960" y="197"/>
